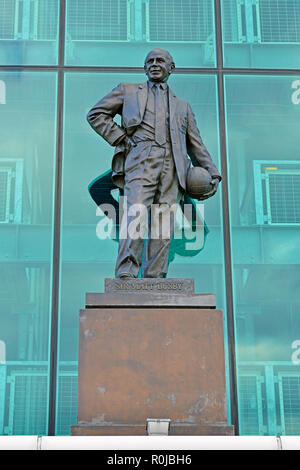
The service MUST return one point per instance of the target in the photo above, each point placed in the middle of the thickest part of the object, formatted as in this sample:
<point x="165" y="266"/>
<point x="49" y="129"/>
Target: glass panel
<point x="263" y="150"/>
<point x="27" y="149"/>
<point x="87" y="260"/>
<point x="28" y="32"/>
<point x="261" y="33"/>
<point x="121" y="32"/>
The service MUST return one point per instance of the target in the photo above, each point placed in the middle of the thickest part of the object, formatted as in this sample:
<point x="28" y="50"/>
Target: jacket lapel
<point x="142" y="95"/>
<point x="172" y="104"/>
<point x="136" y="99"/>
<point x="142" y="99"/>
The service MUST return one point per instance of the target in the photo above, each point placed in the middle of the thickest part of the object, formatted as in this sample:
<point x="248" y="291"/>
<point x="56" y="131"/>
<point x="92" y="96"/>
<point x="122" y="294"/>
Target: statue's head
<point x="159" y="64"/>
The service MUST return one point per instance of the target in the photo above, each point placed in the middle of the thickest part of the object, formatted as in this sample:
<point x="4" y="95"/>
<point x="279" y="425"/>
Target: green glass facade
<point x="238" y="66"/>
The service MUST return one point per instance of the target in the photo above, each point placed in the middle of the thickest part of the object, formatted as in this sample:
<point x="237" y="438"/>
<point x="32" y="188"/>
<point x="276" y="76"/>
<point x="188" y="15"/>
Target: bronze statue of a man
<point x="155" y="144"/>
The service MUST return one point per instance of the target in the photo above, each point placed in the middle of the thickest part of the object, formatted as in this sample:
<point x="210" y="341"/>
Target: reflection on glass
<point x="27" y="148"/>
<point x="86" y="260"/>
<point x="264" y="160"/>
<point x="261" y="33"/>
<point x="121" y="32"/>
<point x="28" y="32"/>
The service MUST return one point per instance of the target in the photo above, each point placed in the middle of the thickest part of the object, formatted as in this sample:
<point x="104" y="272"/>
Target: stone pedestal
<point x="151" y="349"/>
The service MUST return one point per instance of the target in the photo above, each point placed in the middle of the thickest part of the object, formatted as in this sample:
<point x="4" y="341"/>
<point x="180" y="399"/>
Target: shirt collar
<point x="163" y="84"/>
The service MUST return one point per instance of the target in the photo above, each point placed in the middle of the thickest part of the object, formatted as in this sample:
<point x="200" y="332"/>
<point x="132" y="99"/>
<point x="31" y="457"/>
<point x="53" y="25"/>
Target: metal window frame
<point x="15" y="167"/>
<point x="2" y="394"/>
<point x="130" y="4"/>
<point x="154" y="41"/>
<point x="244" y="13"/>
<point x="12" y="370"/>
<point x="8" y="171"/>
<point x="258" y="176"/>
<point x="281" y="376"/>
<point x="246" y="17"/>
<point x="28" y="31"/>
<point x="11" y="380"/>
<point x="257" y="375"/>
<point x="259" y="28"/>
<point x="268" y="196"/>
<point x="65" y="373"/>
<point x="15" y="24"/>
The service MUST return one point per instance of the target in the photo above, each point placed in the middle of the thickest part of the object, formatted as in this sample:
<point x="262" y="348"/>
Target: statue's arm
<point x="196" y="148"/>
<point x="100" y="117"/>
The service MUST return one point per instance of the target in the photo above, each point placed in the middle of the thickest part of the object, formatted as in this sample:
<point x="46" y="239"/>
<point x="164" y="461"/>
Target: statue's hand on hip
<point x="129" y="143"/>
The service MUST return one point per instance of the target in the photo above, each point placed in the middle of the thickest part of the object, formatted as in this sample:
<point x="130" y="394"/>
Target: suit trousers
<point x="151" y="188"/>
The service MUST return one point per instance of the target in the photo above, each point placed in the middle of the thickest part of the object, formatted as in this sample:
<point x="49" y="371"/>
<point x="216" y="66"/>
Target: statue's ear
<point x="172" y="67"/>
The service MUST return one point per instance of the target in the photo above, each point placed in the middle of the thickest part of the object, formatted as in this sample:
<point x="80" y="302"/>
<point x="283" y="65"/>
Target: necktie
<point x="160" y="116"/>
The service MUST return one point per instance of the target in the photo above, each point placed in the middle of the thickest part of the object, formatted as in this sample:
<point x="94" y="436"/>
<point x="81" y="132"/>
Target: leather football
<point x="198" y="182"/>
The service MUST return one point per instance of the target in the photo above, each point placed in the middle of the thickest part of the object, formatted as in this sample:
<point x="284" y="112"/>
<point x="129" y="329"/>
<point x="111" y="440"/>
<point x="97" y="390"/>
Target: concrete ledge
<point x="19" y="443"/>
<point x="162" y="443"/>
<point x="149" y="443"/>
<point x="290" y="442"/>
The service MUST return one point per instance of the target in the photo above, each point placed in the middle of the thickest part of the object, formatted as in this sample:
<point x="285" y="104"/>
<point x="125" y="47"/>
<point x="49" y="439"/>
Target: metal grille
<point x="289" y="389"/>
<point x="180" y="20"/>
<point x="28" y="403"/>
<point x="283" y="197"/>
<point x="38" y="21"/>
<point x="7" y="19"/>
<point x="5" y="177"/>
<point x="280" y="20"/>
<point x="230" y="19"/>
<point x="100" y="20"/>
<point x="47" y="20"/>
<point x="250" y="405"/>
<point x="67" y="403"/>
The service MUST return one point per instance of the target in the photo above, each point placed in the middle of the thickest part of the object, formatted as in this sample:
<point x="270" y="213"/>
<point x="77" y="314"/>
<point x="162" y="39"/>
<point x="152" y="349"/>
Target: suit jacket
<point x="129" y="100"/>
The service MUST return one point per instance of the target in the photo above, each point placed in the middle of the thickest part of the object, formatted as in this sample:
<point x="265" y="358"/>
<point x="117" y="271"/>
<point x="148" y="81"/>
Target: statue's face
<point x="158" y="66"/>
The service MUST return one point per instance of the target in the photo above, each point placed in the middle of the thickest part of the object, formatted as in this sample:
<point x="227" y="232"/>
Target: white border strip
<point x="116" y="443"/>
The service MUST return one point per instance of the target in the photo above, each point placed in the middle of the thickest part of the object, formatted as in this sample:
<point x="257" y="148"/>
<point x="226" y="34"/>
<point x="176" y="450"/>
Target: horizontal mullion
<point x="183" y="70"/>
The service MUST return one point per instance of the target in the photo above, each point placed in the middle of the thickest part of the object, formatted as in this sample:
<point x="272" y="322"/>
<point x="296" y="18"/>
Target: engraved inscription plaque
<point x="180" y="286"/>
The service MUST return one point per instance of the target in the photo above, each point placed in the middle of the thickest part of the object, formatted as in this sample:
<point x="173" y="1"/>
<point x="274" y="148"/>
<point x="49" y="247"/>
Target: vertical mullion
<point x="226" y="221"/>
<point x="57" y="225"/>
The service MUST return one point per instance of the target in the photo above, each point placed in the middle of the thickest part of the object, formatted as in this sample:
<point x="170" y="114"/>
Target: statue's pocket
<point x="136" y="156"/>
